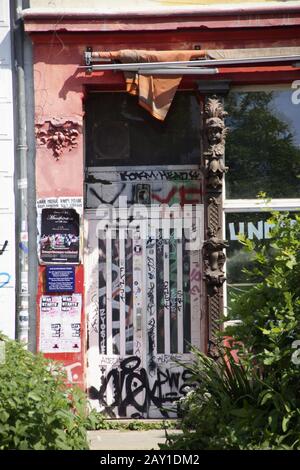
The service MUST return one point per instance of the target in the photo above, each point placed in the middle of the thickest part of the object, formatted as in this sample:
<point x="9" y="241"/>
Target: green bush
<point x="254" y="404"/>
<point x="37" y="409"/>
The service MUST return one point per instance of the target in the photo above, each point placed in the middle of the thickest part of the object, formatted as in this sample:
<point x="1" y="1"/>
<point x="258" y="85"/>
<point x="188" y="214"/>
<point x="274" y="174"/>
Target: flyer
<point x="60" y="323"/>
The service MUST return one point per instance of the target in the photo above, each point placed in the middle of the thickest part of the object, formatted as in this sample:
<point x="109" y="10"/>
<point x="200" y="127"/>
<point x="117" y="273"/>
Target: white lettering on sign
<point x="259" y="230"/>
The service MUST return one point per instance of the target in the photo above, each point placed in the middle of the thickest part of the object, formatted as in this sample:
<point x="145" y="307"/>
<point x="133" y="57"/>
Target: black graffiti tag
<point x="151" y="346"/>
<point x="131" y="387"/>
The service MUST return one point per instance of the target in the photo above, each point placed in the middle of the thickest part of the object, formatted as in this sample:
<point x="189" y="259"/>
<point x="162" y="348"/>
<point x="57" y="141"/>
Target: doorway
<point x="143" y="267"/>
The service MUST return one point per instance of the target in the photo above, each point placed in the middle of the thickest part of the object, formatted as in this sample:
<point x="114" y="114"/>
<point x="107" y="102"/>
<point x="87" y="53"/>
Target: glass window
<point x="120" y="132"/>
<point x="256" y="227"/>
<point x="263" y="145"/>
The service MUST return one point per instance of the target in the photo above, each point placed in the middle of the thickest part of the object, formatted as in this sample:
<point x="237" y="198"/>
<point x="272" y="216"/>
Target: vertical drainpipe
<point x="21" y="187"/>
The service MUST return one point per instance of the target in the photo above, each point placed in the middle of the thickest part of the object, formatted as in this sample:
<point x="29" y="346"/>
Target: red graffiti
<point x="165" y="200"/>
<point x="183" y="194"/>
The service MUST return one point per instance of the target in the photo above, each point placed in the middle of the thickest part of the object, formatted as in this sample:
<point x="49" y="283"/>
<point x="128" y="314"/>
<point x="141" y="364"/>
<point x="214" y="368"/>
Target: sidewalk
<point x="127" y="440"/>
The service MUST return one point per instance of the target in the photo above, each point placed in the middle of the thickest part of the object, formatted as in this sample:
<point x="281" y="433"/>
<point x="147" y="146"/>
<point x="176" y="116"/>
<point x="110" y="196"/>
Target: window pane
<point x="120" y="132"/>
<point x="263" y="145"/>
<point x="254" y="225"/>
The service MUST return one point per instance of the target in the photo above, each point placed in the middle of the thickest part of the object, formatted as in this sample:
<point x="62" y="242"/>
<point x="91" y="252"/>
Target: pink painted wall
<point x="58" y="94"/>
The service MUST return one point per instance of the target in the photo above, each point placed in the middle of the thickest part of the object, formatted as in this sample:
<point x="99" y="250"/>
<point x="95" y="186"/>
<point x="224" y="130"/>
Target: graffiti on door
<point x="145" y="291"/>
<point x="146" y="187"/>
<point x="133" y="389"/>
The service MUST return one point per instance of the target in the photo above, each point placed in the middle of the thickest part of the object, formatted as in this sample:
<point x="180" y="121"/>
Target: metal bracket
<point x="88" y="55"/>
<point x="88" y="59"/>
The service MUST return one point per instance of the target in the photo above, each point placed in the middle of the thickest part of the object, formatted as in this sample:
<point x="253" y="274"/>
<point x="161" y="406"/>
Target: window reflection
<point x="263" y="145"/>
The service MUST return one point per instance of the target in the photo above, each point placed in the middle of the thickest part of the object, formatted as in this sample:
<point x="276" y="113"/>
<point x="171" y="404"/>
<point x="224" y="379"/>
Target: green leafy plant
<point x="218" y="412"/>
<point x="97" y="421"/>
<point x="37" y="409"/>
<point x="255" y="403"/>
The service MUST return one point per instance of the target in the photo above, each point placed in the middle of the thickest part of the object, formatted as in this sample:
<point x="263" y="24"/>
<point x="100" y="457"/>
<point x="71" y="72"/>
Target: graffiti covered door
<point x="144" y="230"/>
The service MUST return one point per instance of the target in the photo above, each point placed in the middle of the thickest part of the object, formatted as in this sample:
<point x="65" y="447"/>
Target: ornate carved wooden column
<point x="214" y="131"/>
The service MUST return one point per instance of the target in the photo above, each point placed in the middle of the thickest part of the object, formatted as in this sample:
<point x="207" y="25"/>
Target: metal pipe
<point x="178" y="71"/>
<point x="193" y="63"/>
<point x="31" y="193"/>
<point x="21" y="167"/>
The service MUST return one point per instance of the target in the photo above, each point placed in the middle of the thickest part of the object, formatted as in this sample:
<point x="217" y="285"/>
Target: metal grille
<point x="146" y="285"/>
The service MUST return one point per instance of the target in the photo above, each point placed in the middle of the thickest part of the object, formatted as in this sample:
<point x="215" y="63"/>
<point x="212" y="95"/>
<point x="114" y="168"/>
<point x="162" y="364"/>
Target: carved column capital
<point x="215" y="134"/>
<point x="58" y="135"/>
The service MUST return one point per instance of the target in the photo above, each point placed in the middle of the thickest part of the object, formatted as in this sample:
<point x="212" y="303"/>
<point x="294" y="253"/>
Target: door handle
<point x="139" y="319"/>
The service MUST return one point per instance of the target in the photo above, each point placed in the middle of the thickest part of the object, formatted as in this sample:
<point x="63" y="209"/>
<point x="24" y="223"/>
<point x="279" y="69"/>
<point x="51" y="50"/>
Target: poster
<point x="59" y="241"/>
<point x="60" y="323"/>
<point x="60" y="279"/>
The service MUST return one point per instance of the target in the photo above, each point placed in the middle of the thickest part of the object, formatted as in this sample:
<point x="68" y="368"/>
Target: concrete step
<point x="127" y="440"/>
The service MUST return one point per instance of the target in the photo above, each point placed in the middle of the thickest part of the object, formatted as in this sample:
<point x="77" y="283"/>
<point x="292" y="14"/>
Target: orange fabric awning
<point x="155" y="93"/>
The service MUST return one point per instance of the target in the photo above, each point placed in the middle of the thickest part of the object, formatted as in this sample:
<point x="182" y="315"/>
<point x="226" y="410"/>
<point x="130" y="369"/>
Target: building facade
<point x="132" y="209"/>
